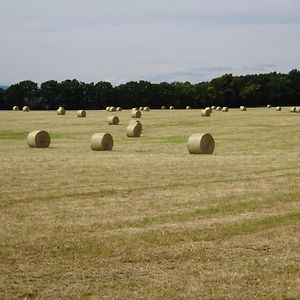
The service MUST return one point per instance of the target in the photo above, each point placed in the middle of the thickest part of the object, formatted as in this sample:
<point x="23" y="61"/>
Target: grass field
<point x="148" y="220"/>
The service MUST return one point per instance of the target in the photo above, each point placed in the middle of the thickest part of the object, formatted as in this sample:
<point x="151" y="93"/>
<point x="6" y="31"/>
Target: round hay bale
<point x="171" y="107"/>
<point x="293" y="109"/>
<point x="102" y="142"/>
<point x="225" y="109"/>
<point x="107" y="108"/>
<point x="134" y="130"/>
<point x="218" y="108"/>
<point x="243" y="108"/>
<point x="205" y="112"/>
<point x="61" y="111"/>
<point x="136" y="114"/>
<point x="134" y="109"/>
<point x="113" y="120"/>
<point x="119" y="108"/>
<point x="163" y="107"/>
<point x="146" y="108"/>
<point x="297" y="110"/>
<point x="26" y="108"/>
<point x="38" y="139"/>
<point x="269" y="106"/>
<point x="16" y="108"/>
<point x="81" y="113"/>
<point x="201" y="143"/>
<point x="188" y="107"/>
<point x="278" y="108"/>
<point x="209" y="109"/>
<point x="112" y="109"/>
<point x="213" y="107"/>
<point x="141" y="108"/>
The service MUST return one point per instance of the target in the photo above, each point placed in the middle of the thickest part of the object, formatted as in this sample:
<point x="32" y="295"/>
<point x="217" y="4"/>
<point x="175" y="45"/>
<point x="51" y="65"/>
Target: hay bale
<point x="146" y="108"/>
<point x="107" y="108"/>
<point x="243" y="108"/>
<point x="171" y="107"/>
<point x="141" y="108"/>
<point x="113" y="120"/>
<point x="134" y="129"/>
<point x="297" y="110"/>
<point x="213" y="107"/>
<point x="101" y="142"/>
<point x="218" y="108"/>
<point x="293" y="109"/>
<point x="16" y="108"/>
<point x="269" y="106"/>
<point x="134" y="109"/>
<point x="38" y="139"/>
<point x="205" y="112"/>
<point x="26" y="108"/>
<point x="119" y="108"/>
<point x="201" y="143"/>
<point x="81" y="113"/>
<point x="278" y="108"/>
<point x="61" y="111"/>
<point x="163" y="107"/>
<point x="136" y="114"/>
<point x="112" y="109"/>
<point x="188" y="107"/>
<point x="225" y="109"/>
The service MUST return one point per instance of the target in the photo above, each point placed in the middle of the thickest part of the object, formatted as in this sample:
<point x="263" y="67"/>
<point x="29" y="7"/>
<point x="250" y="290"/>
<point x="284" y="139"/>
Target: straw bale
<point x="113" y="120"/>
<point x="201" y="143"/>
<point x="38" y="139"/>
<point x="101" y="142"/>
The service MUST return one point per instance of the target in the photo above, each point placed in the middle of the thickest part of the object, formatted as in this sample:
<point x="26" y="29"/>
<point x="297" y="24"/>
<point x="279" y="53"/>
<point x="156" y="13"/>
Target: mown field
<point x="148" y="220"/>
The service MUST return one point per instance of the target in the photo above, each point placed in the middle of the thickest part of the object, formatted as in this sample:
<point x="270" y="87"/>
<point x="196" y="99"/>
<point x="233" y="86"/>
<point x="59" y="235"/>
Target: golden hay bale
<point x="141" y="108"/>
<point x="112" y="109"/>
<point x="146" y="108"/>
<point x="61" y="111"/>
<point x="107" y="108"/>
<point x="171" y="107"/>
<point x="134" y="109"/>
<point x="113" y="120"/>
<point x="209" y="109"/>
<point x="278" y="108"/>
<point x="163" y="107"/>
<point x="269" y="106"/>
<point x="136" y="114"/>
<point x="218" y="108"/>
<point x="225" y="109"/>
<point x="119" y="108"/>
<point x="243" y="108"/>
<point x="26" y="108"/>
<point x="38" y="139"/>
<point x="188" y="107"/>
<point x="134" y="129"/>
<point x="201" y="143"/>
<point x="213" y="107"/>
<point x="16" y="108"/>
<point x="293" y="109"/>
<point x="101" y="142"/>
<point x="297" y="110"/>
<point x="81" y="113"/>
<point x="205" y="112"/>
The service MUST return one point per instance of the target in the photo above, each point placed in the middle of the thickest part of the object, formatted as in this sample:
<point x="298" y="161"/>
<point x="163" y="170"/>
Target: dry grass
<point x="148" y="220"/>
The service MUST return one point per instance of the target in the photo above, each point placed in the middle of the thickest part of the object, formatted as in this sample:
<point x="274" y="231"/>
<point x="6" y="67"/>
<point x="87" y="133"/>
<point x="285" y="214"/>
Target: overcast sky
<point x="156" y="40"/>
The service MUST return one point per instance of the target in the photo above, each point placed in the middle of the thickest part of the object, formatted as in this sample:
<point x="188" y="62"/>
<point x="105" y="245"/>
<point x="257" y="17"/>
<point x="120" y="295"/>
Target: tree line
<point x="226" y="90"/>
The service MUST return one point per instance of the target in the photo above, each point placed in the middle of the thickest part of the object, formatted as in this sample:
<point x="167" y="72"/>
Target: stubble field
<point x="148" y="220"/>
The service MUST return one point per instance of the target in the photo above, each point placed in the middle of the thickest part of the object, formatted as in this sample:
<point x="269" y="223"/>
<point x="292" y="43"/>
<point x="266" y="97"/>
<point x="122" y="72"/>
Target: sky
<point x="157" y="40"/>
